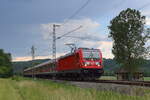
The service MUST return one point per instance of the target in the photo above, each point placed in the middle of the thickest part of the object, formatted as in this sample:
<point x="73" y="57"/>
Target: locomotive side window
<point x="91" y="54"/>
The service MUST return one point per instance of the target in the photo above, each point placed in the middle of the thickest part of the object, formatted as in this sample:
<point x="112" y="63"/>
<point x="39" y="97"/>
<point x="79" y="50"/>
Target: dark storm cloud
<point x="20" y="19"/>
<point x="43" y="11"/>
<point x="19" y="0"/>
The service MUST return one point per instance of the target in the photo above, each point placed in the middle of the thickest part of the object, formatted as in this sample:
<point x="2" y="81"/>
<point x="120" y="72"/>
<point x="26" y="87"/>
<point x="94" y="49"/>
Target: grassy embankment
<point x="26" y="89"/>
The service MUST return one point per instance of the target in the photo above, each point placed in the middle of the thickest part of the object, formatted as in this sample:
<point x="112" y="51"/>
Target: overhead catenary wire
<point x="62" y="36"/>
<point x="69" y="32"/>
<point x="72" y="16"/>
<point x="81" y="38"/>
<point x="76" y="12"/>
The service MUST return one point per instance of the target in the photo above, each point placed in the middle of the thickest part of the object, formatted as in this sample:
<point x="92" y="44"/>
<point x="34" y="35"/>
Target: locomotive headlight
<point x="86" y="63"/>
<point x="97" y="63"/>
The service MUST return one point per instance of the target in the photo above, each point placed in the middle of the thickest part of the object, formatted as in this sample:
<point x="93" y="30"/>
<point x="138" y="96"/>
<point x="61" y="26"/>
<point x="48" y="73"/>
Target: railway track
<point x="136" y="83"/>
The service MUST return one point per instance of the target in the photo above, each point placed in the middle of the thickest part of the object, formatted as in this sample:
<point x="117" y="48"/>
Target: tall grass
<point x="46" y="90"/>
<point x="7" y="92"/>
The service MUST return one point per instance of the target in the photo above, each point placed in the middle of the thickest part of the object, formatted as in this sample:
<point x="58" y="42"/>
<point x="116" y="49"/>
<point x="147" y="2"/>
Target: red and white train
<point x="83" y="63"/>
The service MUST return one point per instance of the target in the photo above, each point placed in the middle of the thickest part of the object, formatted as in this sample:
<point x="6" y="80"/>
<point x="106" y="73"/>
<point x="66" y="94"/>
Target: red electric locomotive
<point x="83" y="63"/>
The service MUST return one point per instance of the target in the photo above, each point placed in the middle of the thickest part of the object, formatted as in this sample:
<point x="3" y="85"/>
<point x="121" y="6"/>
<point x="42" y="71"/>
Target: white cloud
<point x="88" y="37"/>
<point x="106" y="48"/>
<point x="147" y="14"/>
<point x="147" y="20"/>
<point x="88" y="26"/>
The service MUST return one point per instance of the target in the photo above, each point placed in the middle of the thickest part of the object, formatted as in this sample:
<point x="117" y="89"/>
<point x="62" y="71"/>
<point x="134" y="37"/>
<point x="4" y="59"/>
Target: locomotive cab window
<point x="91" y="54"/>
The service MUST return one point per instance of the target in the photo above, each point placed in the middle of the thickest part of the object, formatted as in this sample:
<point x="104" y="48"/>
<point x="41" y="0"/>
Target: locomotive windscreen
<point x="91" y="54"/>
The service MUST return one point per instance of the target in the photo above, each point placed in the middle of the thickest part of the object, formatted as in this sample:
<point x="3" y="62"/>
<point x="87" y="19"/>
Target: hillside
<point x="110" y="65"/>
<point x="19" y="66"/>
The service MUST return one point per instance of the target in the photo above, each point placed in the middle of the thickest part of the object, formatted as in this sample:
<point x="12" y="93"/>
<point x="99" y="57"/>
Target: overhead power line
<point x="78" y="10"/>
<point x="74" y="14"/>
<point x="77" y="37"/>
<point x="82" y="38"/>
<point x="64" y="35"/>
<point x="68" y="33"/>
<point x="67" y="20"/>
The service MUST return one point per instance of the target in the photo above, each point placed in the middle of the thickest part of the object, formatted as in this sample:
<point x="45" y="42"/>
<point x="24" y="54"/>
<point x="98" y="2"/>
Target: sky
<point x="24" y="23"/>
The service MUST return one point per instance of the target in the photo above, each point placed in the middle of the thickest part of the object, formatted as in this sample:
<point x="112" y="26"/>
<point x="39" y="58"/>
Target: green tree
<point x="5" y="64"/>
<point x="129" y="39"/>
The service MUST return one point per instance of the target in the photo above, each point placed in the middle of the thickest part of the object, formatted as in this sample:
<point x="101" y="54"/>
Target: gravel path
<point x="123" y="89"/>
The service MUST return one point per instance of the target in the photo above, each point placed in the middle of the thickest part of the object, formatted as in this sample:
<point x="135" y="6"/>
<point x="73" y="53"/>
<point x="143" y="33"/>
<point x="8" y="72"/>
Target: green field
<point x="27" y="89"/>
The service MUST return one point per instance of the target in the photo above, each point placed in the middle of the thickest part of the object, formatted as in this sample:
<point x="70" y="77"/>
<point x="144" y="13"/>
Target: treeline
<point x="110" y="66"/>
<point x="18" y="67"/>
<point x="5" y="64"/>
